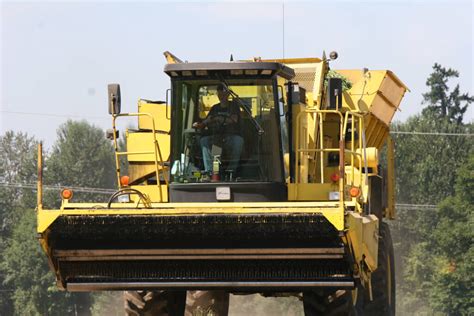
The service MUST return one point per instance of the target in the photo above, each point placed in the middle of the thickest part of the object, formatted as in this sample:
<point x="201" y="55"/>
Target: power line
<point x="55" y="115"/>
<point x="57" y="187"/>
<point x="416" y="206"/>
<point x="432" y="133"/>
<point x="111" y="191"/>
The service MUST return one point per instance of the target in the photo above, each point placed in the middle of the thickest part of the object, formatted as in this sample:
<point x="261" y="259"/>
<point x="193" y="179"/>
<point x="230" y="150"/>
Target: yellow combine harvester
<point x="257" y="176"/>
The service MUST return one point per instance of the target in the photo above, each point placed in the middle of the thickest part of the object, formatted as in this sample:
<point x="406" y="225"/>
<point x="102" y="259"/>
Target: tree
<point x="81" y="157"/>
<point x="17" y="167"/>
<point x="439" y="268"/>
<point x="453" y="244"/>
<point x="27" y="272"/>
<point x="427" y="173"/>
<point x="440" y="101"/>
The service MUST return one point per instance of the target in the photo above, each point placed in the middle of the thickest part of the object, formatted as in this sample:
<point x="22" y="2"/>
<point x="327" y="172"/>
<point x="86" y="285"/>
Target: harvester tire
<point x="322" y="302"/>
<point x="383" y="278"/>
<point x="207" y="303"/>
<point x="154" y="303"/>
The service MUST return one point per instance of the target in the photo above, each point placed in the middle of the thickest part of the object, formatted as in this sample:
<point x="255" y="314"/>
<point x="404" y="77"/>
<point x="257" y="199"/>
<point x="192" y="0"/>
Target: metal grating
<point x="205" y="270"/>
<point x="305" y="78"/>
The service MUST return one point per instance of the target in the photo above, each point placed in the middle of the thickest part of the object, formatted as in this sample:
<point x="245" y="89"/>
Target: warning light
<point x="124" y="180"/>
<point x="66" y="194"/>
<point x="355" y="192"/>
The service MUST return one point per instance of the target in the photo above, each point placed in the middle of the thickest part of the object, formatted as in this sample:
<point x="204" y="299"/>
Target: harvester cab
<point x="228" y="128"/>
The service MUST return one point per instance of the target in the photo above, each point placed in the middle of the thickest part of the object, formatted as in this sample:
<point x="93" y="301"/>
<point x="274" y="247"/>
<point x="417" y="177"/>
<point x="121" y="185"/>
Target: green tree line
<point x="80" y="157"/>
<point x="433" y="245"/>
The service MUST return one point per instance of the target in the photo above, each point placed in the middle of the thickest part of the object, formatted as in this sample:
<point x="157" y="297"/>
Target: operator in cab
<point x="221" y="128"/>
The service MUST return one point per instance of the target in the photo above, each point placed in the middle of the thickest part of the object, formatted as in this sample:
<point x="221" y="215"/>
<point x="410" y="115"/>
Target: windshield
<point x="225" y="132"/>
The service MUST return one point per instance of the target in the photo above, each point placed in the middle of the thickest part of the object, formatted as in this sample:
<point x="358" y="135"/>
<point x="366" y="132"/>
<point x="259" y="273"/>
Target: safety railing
<point x="353" y="152"/>
<point x="357" y="156"/>
<point x="156" y="151"/>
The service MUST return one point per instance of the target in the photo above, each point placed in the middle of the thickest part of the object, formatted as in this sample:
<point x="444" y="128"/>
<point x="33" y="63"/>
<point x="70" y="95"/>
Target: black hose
<point x="123" y="192"/>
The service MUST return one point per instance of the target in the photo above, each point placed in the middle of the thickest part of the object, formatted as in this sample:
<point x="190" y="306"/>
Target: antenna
<point x="283" y="29"/>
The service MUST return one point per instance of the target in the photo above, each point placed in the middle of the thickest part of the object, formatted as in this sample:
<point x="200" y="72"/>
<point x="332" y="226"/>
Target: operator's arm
<point x="211" y="118"/>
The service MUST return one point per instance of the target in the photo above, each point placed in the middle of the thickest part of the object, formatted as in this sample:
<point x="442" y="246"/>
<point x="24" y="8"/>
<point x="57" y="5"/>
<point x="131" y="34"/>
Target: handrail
<point x="321" y="150"/>
<point x="360" y="154"/>
<point x="361" y="145"/>
<point x="156" y="151"/>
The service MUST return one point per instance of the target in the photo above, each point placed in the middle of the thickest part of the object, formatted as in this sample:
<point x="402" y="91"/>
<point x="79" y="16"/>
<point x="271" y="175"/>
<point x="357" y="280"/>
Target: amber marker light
<point x="335" y="177"/>
<point x="124" y="180"/>
<point x="355" y="192"/>
<point x="66" y="194"/>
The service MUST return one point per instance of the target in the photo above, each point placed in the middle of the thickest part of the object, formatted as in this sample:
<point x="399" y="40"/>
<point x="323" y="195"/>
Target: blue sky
<point x="57" y="57"/>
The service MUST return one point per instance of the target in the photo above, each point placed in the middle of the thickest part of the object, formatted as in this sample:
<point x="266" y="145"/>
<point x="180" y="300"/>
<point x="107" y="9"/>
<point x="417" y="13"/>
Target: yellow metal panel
<point x="152" y="192"/>
<point x="158" y="111"/>
<point x="206" y="207"/>
<point x="309" y="75"/>
<point x="143" y="142"/>
<point x="371" y="155"/>
<point x="377" y="91"/>
<point x="363" y="236"/>
<point x="294" y="61"/>
<point x="46" y="218"/>
<point x="330" y="210"/>
<point x="140" y="170"/>
<point x="310" y="191"/>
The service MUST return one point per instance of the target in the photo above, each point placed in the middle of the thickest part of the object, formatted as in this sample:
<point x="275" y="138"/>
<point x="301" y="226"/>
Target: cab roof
<point x="234" y="68"/>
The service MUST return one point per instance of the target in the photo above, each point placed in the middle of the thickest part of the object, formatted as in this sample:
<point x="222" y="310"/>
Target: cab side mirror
<point x="114" y="98"/>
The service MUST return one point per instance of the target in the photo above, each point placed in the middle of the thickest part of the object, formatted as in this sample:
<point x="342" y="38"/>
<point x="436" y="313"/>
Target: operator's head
<point x="222" y="93"/>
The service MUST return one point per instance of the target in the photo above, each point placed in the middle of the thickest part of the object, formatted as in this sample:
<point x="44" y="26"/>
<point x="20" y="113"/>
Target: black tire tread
<point x="203" y="303"/>
<point x="154" y="303"/>
<point x="322" y="302"/>
<point x="380" y="305"/>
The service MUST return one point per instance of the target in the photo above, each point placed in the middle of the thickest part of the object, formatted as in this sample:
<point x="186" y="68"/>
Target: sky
<point x="57" y="57"/>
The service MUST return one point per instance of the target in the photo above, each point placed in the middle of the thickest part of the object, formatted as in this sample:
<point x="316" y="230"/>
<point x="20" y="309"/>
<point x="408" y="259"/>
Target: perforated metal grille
<point x="305" y="78"/>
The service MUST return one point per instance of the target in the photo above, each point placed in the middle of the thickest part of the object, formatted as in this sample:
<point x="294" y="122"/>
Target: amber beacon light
<point x="66" y="194"/>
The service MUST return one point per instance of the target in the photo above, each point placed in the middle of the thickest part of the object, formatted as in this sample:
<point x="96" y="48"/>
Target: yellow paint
<point x="330" y="210"/>
<point x="158" y="112"/>
<point x="151" y="191"/>
<point x="310" y="191"/>
<point x="143" y="143"/>
<point x="362" y="233"/>
<point x="293" y="61"/>
<point x="376" y="91"/>
<point x="46" y="218"/>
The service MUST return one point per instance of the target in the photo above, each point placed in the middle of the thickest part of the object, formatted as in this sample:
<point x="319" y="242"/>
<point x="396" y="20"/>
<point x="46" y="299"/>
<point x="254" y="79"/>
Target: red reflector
<point x="335" y="177"/>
